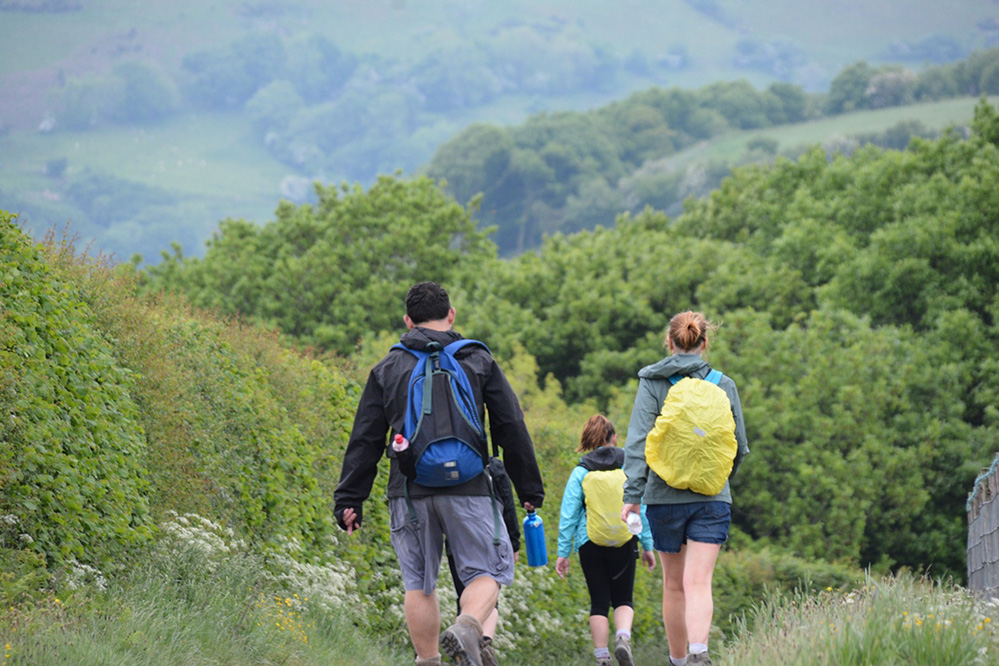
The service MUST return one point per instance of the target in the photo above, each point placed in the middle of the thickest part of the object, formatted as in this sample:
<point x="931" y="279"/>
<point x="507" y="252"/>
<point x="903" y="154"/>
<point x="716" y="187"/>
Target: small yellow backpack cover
<point x="604" y="493"/>
<point x="692" y="444"/>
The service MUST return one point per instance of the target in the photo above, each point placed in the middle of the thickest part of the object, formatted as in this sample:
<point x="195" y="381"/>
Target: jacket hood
<point x="684" y="364"/>
<point x="418" y="338"/>
<point x="605" y="457"/>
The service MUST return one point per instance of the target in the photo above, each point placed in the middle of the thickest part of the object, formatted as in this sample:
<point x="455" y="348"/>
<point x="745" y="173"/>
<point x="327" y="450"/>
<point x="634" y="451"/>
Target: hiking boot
<point x="462" y="641"/>
<point x="622" y="651"/>
<point x="604" y="662"/>
<point x="487" y="652"/>
<point x="699" y="659"/>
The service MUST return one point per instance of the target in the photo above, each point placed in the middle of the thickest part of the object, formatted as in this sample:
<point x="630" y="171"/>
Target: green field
<point x="729" y="147"/>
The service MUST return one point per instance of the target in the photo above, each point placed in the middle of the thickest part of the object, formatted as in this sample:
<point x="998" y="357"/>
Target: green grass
<point x="210" y="163"/>
<point x="729" y="147"/>
<point x="889" y="622"/>
<point x="200" y="607"/>
<point x="189" y="601"/>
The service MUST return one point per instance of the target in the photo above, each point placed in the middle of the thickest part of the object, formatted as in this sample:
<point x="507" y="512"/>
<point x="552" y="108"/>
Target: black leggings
<point x="610" y="574"/>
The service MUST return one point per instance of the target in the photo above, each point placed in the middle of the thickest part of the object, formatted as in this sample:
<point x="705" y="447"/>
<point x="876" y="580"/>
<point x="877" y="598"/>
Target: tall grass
<point x="887" y="622"/>
<point x="198" y="597"/>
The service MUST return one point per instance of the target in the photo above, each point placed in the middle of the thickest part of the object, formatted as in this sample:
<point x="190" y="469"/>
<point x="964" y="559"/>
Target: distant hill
<point x="143" y="124"/>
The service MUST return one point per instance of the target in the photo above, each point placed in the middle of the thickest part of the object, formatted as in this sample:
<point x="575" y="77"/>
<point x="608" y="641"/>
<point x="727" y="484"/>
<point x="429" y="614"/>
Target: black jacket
<point x="382" y="410"/>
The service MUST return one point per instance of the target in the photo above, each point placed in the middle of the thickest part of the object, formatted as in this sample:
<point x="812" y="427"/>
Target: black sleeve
<point x="504" y="493"/>
<point x="507" y="428"/>
<point x="364" y="449"/>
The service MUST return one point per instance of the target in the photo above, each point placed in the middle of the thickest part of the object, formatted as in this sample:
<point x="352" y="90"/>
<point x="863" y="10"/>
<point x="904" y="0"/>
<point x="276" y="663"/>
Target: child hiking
<point x="668" y="437"/>
<point x="590" y="523"/>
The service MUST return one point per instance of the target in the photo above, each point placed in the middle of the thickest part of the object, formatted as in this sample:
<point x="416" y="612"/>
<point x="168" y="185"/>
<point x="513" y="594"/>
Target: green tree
<point x="317" y="67"/>
<point x="847" y="89"/>
<point x="149" y="93"/>
<point x="272" y="108"/>
<point x="332" y="273"/>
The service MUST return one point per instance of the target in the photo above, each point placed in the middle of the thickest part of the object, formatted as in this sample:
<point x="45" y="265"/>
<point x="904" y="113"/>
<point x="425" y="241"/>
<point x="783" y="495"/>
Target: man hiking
<point x="422" y="515"/>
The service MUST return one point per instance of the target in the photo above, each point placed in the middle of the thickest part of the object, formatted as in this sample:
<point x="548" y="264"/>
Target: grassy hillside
<point x="935" y="116"/>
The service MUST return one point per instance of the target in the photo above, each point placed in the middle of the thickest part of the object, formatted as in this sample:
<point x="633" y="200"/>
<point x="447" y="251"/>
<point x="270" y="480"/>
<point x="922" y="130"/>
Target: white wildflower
<point x="80" y="575"/>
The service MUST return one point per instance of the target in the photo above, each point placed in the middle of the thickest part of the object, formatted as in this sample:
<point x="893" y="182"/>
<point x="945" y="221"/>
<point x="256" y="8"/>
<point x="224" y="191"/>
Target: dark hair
<point x="427" y="301"/>
<point x="597" y="432"/>
<point x="688" y="330"/>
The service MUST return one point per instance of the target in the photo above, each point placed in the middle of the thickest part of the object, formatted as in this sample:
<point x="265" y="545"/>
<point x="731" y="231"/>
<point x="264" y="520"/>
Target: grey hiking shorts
<point x="468" y="523"/>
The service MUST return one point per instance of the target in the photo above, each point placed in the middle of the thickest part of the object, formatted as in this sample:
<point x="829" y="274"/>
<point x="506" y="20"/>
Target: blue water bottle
<point x="534" y="539"/>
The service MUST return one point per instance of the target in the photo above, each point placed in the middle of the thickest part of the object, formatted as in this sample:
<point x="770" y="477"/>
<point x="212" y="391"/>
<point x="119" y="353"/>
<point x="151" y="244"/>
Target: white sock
<point x="678" y="662"/>
<point x="697" y="648"/>
<point x="601" y="653"/>
<point x="624" y="632"/>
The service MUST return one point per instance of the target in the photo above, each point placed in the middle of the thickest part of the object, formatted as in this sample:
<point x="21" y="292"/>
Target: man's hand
<point x="528" y="507"/>
<point x="350" y="520"/>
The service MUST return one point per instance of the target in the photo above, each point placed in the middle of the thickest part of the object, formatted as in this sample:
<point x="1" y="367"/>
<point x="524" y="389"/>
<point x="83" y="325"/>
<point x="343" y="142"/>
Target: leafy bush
<point x="73" y="473"/>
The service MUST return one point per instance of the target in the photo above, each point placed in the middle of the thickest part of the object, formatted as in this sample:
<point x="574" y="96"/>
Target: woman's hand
<point x="630" y="508"/>
<point x="562" y="567"/>
<point x="649" y="559"/>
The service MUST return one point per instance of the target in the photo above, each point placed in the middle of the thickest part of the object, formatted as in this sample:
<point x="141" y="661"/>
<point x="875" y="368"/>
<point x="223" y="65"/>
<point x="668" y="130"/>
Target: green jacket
<point x="644" y="485"/>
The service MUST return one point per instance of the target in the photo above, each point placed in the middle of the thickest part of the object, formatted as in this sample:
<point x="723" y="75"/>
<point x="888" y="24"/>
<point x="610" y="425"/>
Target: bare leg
<point x="674" y="603"/>
<point x="697" y="576"/>
<point x="489" y="626"/>
<point x="479" y="598"/>
<point x="423" y="618"/>
<point x="623" y="617"/>
<point x="599" y="630"/>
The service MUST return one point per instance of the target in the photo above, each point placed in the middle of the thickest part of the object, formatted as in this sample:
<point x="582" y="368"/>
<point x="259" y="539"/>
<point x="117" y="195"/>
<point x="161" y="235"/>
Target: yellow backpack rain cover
<point x="604" y="493"/>
<point x="692" y="445"/>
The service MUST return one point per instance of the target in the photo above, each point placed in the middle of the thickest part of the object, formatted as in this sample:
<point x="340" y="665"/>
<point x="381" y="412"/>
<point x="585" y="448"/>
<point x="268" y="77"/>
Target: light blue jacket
<point x="572" y="516"/>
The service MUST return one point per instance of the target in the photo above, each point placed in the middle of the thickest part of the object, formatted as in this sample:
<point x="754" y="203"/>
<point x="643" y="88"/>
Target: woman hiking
<point x="688" y="527"/>
<point x="590" y="523"/>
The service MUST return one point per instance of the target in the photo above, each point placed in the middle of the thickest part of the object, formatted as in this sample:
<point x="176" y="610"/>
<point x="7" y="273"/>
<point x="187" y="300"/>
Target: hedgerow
<point x="73" y="482"/>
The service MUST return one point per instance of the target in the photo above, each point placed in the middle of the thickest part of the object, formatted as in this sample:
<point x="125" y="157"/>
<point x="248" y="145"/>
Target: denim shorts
<point x="674" y="524"/>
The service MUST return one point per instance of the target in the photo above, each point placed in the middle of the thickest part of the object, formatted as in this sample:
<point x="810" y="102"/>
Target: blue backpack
<point x="447" y="443"/>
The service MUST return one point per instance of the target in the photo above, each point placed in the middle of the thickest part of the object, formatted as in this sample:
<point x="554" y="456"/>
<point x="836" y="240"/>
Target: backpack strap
<point x="714" y="376"/>
<point x="452" y="349"/>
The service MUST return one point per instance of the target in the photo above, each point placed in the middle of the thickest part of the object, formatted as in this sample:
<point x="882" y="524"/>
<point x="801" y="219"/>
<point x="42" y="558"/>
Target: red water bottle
<point x="404" y="454"/>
